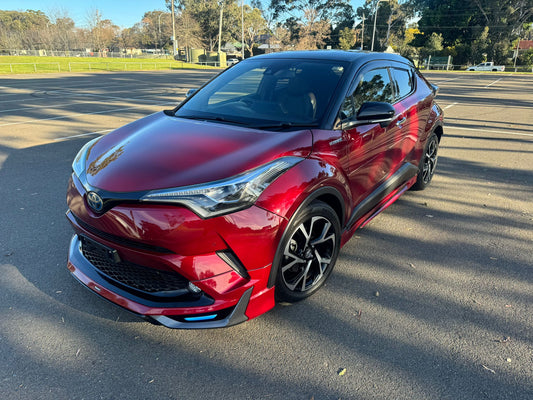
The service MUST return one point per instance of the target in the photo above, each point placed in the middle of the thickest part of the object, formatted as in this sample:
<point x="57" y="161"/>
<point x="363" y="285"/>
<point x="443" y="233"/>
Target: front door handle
<point x="401" y="122"/>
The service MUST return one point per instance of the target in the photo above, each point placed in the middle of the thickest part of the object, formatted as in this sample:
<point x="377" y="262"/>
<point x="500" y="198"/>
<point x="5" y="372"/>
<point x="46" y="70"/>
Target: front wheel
<point x="308" y="252"/>
<point x="428" y="163"/>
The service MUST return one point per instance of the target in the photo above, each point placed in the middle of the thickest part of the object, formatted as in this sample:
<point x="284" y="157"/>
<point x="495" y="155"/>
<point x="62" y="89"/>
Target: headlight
<point x="227" y="195"/>
<point x="78" y="165"/>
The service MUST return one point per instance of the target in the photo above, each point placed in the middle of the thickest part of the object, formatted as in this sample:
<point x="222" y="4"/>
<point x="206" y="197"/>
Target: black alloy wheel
<point x="308" y="252"/>
<point x="428" y="163"/>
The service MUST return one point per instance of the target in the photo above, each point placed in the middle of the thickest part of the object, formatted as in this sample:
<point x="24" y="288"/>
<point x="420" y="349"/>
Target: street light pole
<point x="375" y="18"/>
<point x="242" y="29"/>
<point x="159" y="22"/>
<point x="220" y="26"/>
<point x="173" y="31"/>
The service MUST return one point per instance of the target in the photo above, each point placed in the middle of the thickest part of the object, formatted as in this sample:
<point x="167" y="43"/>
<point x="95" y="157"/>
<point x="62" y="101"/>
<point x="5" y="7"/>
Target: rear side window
<point x="403" y="80"/>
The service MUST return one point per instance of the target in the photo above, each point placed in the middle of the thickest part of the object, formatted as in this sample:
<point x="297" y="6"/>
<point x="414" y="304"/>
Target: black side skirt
<point x="406" y="172"/>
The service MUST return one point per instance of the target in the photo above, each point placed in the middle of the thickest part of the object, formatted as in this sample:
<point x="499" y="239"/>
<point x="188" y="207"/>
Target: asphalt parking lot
<point x="432" y="300"/>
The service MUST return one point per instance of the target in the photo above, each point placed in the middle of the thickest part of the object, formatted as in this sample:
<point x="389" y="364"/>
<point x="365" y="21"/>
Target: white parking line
<point x="448" y="80"/>
<point x="82" y="134"/>
<point x="450" y="105"/>
<point x="496" y="81"/>
<point x="489" y="131"/>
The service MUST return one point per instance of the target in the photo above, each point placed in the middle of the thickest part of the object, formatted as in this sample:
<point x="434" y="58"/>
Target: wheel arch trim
<point x="319" y="194"/>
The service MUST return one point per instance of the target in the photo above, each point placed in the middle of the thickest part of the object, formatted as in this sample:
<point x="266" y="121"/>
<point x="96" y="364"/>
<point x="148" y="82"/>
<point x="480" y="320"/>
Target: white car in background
<point x="486" y="66"/>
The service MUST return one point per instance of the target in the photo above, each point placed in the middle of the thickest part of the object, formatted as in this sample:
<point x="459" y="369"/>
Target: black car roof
<point x="353" y="56"/>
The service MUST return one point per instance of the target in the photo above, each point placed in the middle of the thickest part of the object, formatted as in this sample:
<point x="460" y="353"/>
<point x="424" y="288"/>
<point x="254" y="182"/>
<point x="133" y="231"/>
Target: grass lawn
<point x="32" y="64"/>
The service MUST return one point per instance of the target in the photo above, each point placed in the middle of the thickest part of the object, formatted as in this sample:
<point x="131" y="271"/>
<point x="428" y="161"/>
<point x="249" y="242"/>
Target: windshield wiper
<point x="216" y="119"/>
<point x="285" y="125"/>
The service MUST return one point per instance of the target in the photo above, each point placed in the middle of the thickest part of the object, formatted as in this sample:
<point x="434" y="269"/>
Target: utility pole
<point x="242" y="29"/>
<point x="173" y="30"/>
<point x="363" y="33"/>
<point x="159" y="36"/>
<point x="516" y="53"/>
<point x="220" y="25"/>
<point x="375" y="18"/>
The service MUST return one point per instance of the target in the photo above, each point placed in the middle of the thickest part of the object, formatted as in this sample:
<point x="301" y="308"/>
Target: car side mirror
<point x="374" y="112"/>
<point x="190" y="92"/>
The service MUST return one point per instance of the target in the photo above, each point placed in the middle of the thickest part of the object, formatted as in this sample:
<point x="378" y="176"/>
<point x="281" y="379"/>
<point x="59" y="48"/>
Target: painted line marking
<point x="448" y="80"/>
<point x="496" y="81"/>
<point x="82" y="134"/>
<point x="489" y="131"/>
<point x="451" y="105"/>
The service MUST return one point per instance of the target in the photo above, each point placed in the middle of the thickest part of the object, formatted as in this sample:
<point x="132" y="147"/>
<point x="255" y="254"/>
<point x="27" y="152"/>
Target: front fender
<point x="305" y="182"/>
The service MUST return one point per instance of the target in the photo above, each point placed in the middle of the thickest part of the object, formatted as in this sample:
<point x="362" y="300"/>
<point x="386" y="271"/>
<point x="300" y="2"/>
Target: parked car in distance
<point x="486" y="66"/>
<point x="231" y="61"/>
<point x="204" y="215"/>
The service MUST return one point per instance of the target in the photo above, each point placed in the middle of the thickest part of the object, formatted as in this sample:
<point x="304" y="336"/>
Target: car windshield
<point x="268" y="93"/>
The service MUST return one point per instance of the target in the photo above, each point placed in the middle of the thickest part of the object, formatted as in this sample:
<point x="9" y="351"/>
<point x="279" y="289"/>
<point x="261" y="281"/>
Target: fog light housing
<point x="194" y="289"/>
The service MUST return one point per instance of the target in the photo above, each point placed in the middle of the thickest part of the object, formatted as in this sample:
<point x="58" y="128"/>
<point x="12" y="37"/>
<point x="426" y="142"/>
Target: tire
<point x="428" y="163"/>
<point x="307" y="253"/>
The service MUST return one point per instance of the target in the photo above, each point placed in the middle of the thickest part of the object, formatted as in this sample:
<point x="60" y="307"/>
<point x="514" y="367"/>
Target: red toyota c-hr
<point x="204" y="215"/>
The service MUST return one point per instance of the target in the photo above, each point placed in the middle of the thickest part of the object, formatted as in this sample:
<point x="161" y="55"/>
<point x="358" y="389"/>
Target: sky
<point x="124" y="13"/>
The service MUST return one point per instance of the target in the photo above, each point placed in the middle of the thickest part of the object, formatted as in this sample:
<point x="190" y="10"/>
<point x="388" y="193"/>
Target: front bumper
<point x="204" y="312"/>
<point x="228" y="258"/>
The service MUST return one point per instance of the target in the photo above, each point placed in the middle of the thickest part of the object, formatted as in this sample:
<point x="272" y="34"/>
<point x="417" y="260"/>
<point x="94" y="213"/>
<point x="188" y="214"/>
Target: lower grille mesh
<point x="129" y="274"/>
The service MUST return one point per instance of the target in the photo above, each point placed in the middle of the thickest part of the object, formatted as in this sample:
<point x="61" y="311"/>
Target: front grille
<point x="129" y="274"/>
<point x="119" y="240"/>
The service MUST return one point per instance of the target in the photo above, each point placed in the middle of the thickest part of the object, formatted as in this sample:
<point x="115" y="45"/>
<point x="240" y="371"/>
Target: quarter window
<point x="404" y="82"/>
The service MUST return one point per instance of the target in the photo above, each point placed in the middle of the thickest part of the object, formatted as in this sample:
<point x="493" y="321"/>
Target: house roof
<point x="525" y="44"/>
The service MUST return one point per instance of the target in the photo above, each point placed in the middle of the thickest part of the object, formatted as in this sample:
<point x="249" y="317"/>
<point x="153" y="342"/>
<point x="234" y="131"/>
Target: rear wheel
<point x="308" y="252"/>
<point x="428" y="163"/>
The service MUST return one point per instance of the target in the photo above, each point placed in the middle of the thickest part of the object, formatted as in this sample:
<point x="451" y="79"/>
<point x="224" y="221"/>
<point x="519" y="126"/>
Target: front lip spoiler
<point x="237" y="316"/>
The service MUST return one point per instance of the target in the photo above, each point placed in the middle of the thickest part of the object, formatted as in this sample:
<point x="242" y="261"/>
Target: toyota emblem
<point x="95" y="202"/>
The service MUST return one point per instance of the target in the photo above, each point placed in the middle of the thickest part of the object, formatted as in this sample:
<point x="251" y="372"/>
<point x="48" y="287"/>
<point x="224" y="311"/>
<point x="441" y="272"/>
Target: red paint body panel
<point x="163" y="152"/>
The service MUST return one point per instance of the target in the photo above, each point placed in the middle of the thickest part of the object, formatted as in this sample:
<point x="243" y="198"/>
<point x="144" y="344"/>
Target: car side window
<point x="403" y="79"/>
<point x="375" y="85"/>
<point x="347" y="108"/>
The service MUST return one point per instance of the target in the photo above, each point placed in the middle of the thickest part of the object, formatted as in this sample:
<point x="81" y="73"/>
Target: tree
<point x="156" y="29"/>
<point x="254" y="25"/>
<point x="294" y="15"/>
<point x="347" y="38"/>
<point x="189" y="32"/>
<point x="206" y="14"/>
<point x="313" y="31"/>
<point x="390" y="24"/>
<point x="526" y="58"/>
<point x="332" y="10"/>
<point x="463" y="23"/>
<point x="23" y="30"/>
<point x="102" y="31"/>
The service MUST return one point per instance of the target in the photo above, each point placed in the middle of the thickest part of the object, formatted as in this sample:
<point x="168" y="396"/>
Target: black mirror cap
<point x="375" y="111"/>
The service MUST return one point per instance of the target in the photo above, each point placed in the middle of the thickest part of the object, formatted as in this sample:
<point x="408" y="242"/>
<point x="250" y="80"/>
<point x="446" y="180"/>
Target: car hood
<point x="162" y="151"/>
